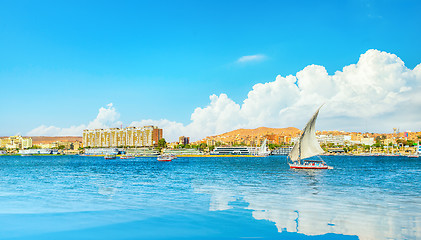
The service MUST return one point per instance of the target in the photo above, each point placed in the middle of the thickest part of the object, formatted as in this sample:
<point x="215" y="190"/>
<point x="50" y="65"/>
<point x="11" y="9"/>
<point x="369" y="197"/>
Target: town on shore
<point x="149" y="141"/>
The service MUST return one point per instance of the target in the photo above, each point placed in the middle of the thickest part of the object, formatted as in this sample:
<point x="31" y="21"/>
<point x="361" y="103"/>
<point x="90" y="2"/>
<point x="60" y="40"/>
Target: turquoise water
<point x="74" y="197"/>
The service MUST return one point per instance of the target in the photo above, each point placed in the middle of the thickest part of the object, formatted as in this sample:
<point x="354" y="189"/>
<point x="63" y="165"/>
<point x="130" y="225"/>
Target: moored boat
<point x="166" y="158"/>
<point x="306" y="147"/>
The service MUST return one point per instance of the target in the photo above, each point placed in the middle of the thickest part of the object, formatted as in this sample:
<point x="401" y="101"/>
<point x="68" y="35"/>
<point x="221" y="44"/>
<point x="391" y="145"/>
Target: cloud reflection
<point x="307" y="205"/>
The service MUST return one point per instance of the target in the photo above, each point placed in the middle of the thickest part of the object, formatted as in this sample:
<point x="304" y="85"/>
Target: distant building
<point x="26" y="143"/>
<point x="210" y="142"/>
<point x="14" y="142"/>
<point x="75" y="145"/>
<point x="146" y="136"/>
<point x="334" y="139"/>
<point x="282" y="151"/>
<point x="183" y="140"/>
<point x="367" y="141"/>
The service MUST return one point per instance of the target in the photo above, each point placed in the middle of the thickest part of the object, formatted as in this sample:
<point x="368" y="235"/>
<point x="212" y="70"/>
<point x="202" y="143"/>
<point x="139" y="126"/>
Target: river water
<point x="75" y="197"/>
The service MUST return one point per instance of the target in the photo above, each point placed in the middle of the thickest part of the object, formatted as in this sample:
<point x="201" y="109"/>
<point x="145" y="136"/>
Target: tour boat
<point x="166" y="158"/>
<point x="306" y="147"/>
<point x="110" y="156"/>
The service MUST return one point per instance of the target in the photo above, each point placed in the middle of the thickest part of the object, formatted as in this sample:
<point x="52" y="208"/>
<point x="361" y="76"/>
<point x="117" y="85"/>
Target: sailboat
<point x="263" y="150"/>
<point x="306" y="147"/>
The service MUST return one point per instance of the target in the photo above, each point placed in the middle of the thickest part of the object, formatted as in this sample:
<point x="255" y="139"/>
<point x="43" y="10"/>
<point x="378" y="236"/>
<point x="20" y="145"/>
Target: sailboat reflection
<point x="306" y="207"/>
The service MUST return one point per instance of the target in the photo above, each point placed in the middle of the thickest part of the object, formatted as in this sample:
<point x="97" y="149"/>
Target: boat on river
<point x="306" y="147"/>
<point x="166" y="157"/>
<point x="263" y="150"/>
<point x="127" y="157"/>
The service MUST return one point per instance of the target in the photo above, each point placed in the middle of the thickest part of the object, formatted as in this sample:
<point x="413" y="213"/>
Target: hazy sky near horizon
<point x="204" y="67"/>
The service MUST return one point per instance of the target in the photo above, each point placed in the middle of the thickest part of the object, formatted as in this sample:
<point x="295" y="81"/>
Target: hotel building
<point x="14" y="142"/>
<point x="146" y="136"/>
<point x="183" y="140"/>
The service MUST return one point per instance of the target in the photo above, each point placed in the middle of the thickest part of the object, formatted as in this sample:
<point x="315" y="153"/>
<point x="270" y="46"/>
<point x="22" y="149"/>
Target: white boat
<point x="306" y="147"/>
<point x="166" y="157"/>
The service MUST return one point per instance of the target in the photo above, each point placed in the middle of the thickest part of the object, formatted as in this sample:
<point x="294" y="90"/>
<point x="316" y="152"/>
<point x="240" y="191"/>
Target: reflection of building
<point x="146" y="136"/>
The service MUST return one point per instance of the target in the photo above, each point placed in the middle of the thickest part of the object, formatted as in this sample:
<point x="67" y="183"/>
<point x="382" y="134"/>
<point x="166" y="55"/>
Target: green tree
<point x="203" y="146"/>
<point x="162" y="143"/>
<point x="273" y="146"/>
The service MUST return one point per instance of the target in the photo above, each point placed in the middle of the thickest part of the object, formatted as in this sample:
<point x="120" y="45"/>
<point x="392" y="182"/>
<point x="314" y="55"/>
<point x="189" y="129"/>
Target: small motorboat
<point x="166" y="158"/>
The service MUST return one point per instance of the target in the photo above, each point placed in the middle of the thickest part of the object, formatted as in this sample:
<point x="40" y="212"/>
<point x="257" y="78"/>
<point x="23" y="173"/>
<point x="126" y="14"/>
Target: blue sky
<point x="62" y="61"/>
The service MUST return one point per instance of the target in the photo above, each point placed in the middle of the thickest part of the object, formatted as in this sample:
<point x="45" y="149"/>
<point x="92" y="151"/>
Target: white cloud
<point x="376" y="94"/>
<point x="107" y="117"/>
<point x="251" y="58"/>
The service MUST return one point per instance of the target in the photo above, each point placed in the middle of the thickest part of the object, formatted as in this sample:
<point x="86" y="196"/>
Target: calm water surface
<point x="73" y="197"/>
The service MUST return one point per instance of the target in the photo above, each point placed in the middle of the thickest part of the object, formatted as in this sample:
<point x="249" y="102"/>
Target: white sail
<point x="307" y="145"/>
<point x="263" y="151"/>
<point x="294" y="155"/>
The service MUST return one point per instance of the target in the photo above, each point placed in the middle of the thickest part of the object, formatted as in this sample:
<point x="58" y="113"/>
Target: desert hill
<point x="43" y="139"/>
<point x="244" y="135"/>
<point x="261" y="131"/>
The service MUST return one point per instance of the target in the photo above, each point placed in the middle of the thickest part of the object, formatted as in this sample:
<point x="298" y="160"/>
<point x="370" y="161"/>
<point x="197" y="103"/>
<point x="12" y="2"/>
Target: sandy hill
<point x="42" y="139"/>
<point x="261" y="131"/>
